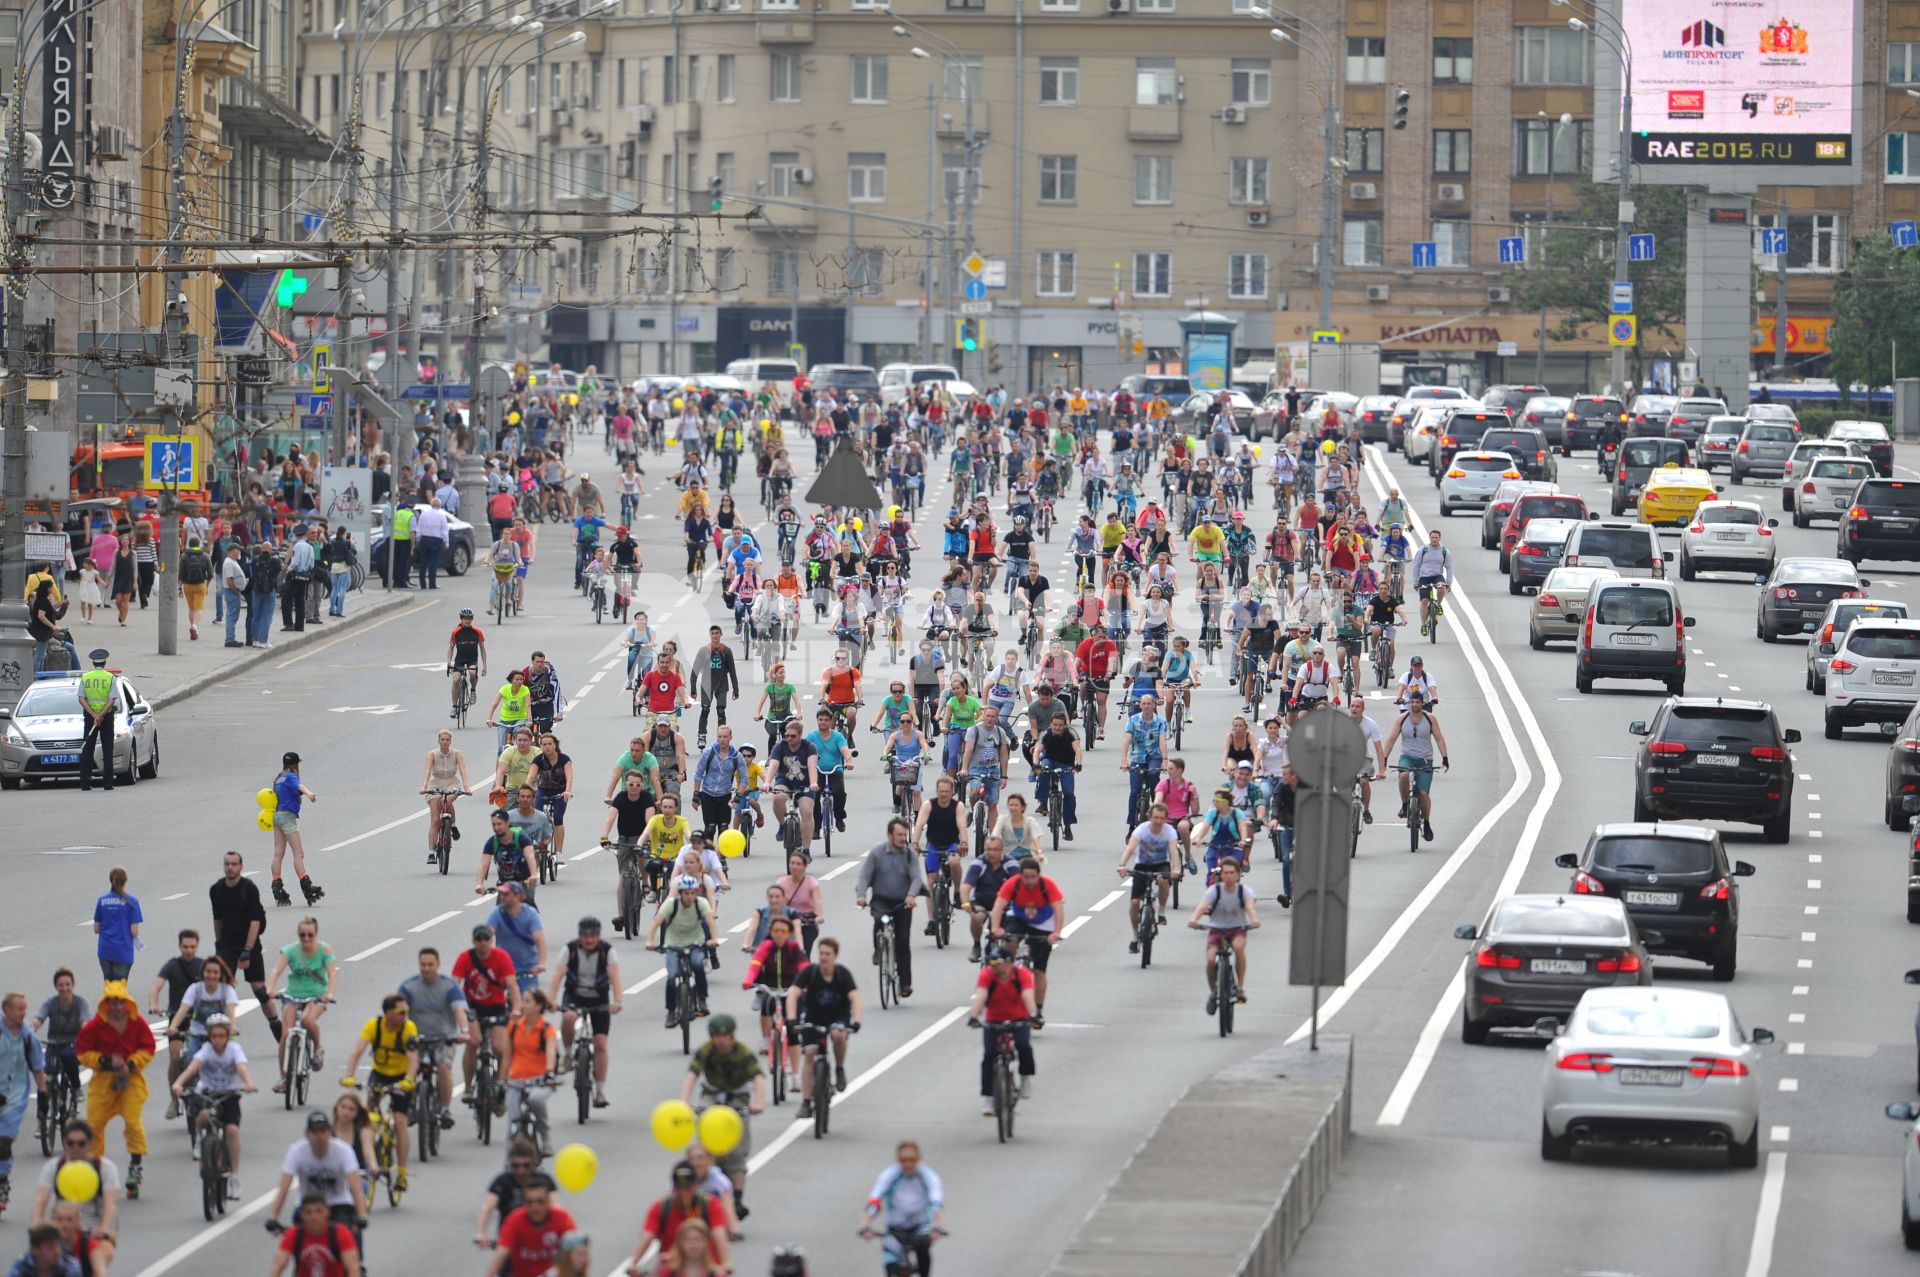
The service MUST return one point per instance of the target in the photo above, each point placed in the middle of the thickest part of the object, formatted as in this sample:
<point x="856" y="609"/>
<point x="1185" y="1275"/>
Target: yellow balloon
<point x="79" y="1182"/>
<point x="575" y="1166"/>
<point x="893" y="512"/>
<point x="841" y="528"/>
<point x="574" y="402"/>
<point x="672" y="1124"/>
<point x="266" y="799"/>
<point x="731" y="843"/>
<point x="265" y="821"/>
<point x="513" y="418"/>
<point x="1256" y="449"/>
<point x="678" y="404"/>
<point x="858" y="526"/>
<point x="672" y="442"/>
<point x="721" y="1130"/>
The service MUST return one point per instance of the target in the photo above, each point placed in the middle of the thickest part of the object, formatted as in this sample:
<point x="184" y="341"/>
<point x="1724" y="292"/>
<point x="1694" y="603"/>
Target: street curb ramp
<point x="1228" y="1181"/>
<point x="287" y="643"/>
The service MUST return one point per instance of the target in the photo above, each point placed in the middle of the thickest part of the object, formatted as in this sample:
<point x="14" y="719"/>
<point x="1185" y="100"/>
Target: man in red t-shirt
<point x="1096" y="656"/>
<point x="1003" y="996"/>
<point x="665" y="693"/>
<point x="685" y="1202"/>
<point x="487" y="979"/>
<point x="530" y="1236"/>
<point x="316" y="1246"/>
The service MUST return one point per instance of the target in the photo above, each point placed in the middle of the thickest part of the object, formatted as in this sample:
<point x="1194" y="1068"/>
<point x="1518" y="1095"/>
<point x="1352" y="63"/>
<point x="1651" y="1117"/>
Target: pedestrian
<point x="23" y="1069"/>
<point x="400" y="542"/>
<point x="196" y="571"/>
<point x="116" y="921"/>
<point x="340" y="559"/>
<point x="44" y="613"/>
<point x="430" y="529"/>
<point x="263" y="586"/>
<point x="288" y="794"/>
<point x="117" y="1045"/>
<point x="146" y="559"/>
<point x="124" y="572"/>
<point x="102" y="549"/>
<point x="299" y="574"/>
<point x="87" y="592"/>
<point x="233" y="591"/>
<point x="99" y="698"/>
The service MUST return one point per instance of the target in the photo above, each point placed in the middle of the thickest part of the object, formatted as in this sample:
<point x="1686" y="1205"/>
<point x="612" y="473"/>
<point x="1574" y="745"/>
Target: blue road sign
<point x="172" y="462"/>
<point x="976" y="290"/>
<point x="1640" y="248"/>
<point x="315" y="423"/>
<point x="1622" y="299"/>
<point x="1773" y="241"/>
<point x="1905" y="234"/>
<point x="1513" y="250"/>
<point x="312" y="221"/>
<point x="1426" y="253"/>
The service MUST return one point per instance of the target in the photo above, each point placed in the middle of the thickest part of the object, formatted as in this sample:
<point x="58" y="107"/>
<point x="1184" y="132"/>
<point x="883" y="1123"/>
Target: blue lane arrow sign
<point x="1640" y="248"/>
<point x="1773" y="241"/>
<point x="1513" y="251"/>
<point x="1905" y="234"/>
<point x="1426" y="253"/>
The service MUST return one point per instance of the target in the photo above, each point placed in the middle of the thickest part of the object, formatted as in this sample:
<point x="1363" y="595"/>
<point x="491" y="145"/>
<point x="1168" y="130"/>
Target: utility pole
<point x="173" y="324"/>
<point x="393" y="225"/>
<point x="16" y="647"/>
<point x="344" y="228"/>
<point x="926" y="265"/>
<point x="1330" y="127"/>
<point x="1780" y="295"/>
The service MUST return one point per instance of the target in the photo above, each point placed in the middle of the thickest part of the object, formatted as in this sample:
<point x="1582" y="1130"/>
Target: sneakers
<point x="433" y="857"/>
<point x="672" y="1020"/>
<point x="500" y="1103"/>
<point x="193" y="632"/>
<point x="1367" y="815"/>
<point x="906" y="991"/>
<point x="1286" y="901"/>
<point x="1213" y="1004"/>
<point x="233" y="1188"/>
<point x="928" y="929"/>
<point x="133" y="1181"/>
<point x="1133" y="946"/>
<point x="986" y="1110"/>
<point x="319" y="1058"/>
<point x="839" y="1077"/>
<point x="1403" y="811"/>
<point x="173" y="1108"/>
<point x="400" y="1179"/>
<point x="1026" y="1087"/>
<point x="806" y="1109"/>
<point x="446" y="1119"/>
<point x="1426" y="830"/>
<point x="1067" y="832"/>
<point x="1240" y="998"/>
<point x="599" y="1098"/>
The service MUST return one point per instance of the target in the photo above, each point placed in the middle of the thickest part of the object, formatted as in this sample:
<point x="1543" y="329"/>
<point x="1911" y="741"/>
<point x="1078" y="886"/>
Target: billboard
<point x="1718" y="86"/>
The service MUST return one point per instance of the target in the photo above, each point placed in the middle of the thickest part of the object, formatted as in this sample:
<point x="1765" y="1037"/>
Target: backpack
<point x="195" y="568"/>
<point x="266" y="570"/>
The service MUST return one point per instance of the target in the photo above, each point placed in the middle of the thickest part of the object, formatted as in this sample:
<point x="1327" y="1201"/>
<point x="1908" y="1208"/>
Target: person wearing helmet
<point x="1208" y="541"/>
<point x="727" y="1071"/>
<point x="219" y="1069"/>
<point x="1003" y="1003"/>
<point x="682" y="929"/>
<point x="466" y="658"/>
<point x="587" y="982"/>
<point x="1313" y="681"/>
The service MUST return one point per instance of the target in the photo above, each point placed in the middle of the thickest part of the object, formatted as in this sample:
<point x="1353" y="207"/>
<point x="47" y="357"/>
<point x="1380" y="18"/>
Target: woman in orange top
<point x="533" y="1052"/>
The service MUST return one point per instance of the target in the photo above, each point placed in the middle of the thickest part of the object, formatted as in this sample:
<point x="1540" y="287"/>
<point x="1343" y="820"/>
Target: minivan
<point x="1172" y="387"/>
<point x="898" y="380"/>
<point x="1633" y="629"/>
<point x="1629" y="548"/>
<point x="1639" y="458"/>
<point x="775" y="375"/>
<point x="845" y="379"/>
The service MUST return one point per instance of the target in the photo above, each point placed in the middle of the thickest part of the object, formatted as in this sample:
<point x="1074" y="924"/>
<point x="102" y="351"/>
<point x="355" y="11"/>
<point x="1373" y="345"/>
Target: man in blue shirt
<point x="586" y="539"/>
<point x="1146" y="730"/>
<point x="831" y="749"/>
<point x="720" y="771"/>
<point x="517" y="928"/>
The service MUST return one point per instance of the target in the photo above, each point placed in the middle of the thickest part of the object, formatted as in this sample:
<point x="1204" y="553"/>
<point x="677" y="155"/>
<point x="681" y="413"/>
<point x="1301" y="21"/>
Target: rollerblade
<point x="311" y="891"/>
<point x="280" y="896"/>
<point x="133" y="1181"/>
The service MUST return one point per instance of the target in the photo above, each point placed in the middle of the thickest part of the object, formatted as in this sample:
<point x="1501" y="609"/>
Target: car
<point x="1718" y="440"/>
<point x="1672" y="493"/>
<point x="1727" y="536"/>
<point x="1873" y="675"/>
<point x="1903" y="784"/>
<point x="1397" y="422"/>
<point x="1528" y="447"/>
<point x="1538" y="954"/>
<point x="1536" y="505"/>
<point x="1194" y="411"/>
<point x="1690" y="415"/>
<point x="1498" y="509"/>
<point x="1629" y="548"/>
<point x="1372" y="414"/>
<point x="1763" y="450"/>
<point x="1510" y="398"/>
<point x="1471" y="479"/>
<point x="1774" y="412"/>
<point x="1882" y="523"/>
<point x="901" y="382"/>
<point x="1799" y="464"/>
<point x="1173" y="387"/>
<point x="1870" y="437"/>
<point x="1462" y="428"/>
<point x="1633" y="629"/>
<point x="1910" y="1160"/>
<point x="1795" y="595"/>
<point x="1651" y="1066"/>
<point x="1538" y="552"/>
<point x="1587" y="416"/>
<point x="1313" y="413"/>
<point x="1269" y="416"/>
<point x="1440" y="394"/>
<point x="40" y="739"/>
<point x="1828" y="490"/>
<point x="1839" y="616"/>
<point x="845" y="379"/>
<point x="1560" y="603"/>
<point x="1423" y="435"/>
<point x="1548" y="415"/>
<point x="1675" y="880"/>
<point x="1715" y="758"/>
<point x="1637" y="459"/>
<point x="455" y="562"/>
<point x="1649" y="415"/>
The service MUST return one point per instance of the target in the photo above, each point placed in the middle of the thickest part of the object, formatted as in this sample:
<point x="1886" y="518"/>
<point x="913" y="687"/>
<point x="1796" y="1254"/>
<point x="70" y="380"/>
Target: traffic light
<point x="714" y="193"/>
<point x="1402" y="100"/>
<point x="291" y="285"/>
<point x="993" y="356"/>
<point x="969" y="335"/>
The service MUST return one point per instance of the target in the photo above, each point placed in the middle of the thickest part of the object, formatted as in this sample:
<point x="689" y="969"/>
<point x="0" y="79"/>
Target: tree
<point x="1876" y="313"/>
<point x="1574" y="273"/>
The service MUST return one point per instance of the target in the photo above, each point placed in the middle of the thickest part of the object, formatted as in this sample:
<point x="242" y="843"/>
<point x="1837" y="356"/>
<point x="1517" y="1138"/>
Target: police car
<point x="40" y="739"/>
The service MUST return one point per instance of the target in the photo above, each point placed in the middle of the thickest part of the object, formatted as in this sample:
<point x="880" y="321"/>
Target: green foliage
<point x="1876" y="312"/>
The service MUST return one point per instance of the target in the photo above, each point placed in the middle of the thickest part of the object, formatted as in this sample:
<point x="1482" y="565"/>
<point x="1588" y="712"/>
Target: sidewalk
<point x="165" y="680"/>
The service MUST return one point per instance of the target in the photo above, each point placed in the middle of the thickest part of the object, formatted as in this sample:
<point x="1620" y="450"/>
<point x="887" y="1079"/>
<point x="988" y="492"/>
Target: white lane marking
<point x="1812" y="815"/>
<point x="8" y="948"/>
<point x="1813" y="884"/>
<point x="1805" y="776"/>
<point x="1395" y="1110"/>
<point x="1813" y="857"/>
<point x="234" y="1218"/>
<point x="851" y="864"/>
<point x="1796" y="1048"/>
<point x="1789" y="1083"/>
<point x="1798" y="1017"/>
<point x="1813" y="798"/>
<point x="1801" y="990"/>
<point x="653" y="979"/>
<point x="1068" y="930"/>
<point x="434" y="921"/>
<point x="1808" y="936"/>
<point x="1767" y="1218"/>
<point x="391" y="824"/>
<point x="740" y="926"/>
<point x="178" y="895"/>
<point x="1815" y="833"/>
<point x="1805" y="964"/>
<point x="1812" y="909"/>
<point x="1106" y="900"/>
<point x="1779" y="1134"/>
<point x="576" y="856"/>
<point x="368" y="952"/>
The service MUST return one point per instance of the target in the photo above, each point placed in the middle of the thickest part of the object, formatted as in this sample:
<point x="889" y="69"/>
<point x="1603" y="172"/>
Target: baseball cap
<point x="512" y="888"/>
<point x="482" y="932"/>
<point x="683" y="1173"/>
<point x="318" y="1121"/>
<point x="288" y="759"/>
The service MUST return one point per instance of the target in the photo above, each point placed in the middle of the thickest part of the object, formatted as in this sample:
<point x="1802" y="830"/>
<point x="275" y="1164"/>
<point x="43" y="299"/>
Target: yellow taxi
<point x="1673" y="492"/>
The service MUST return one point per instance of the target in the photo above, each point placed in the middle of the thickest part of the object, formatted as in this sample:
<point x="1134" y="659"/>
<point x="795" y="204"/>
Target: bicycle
<point x="443" y="826"/>
<point x="582" y="1068"/>
<point x="1177" y="714"/>
<point x="940" y="908"/>
<point x="1149" y="913"/>
<point x="531" y="1121"/>
<point x="1383" y="658"/>
<point x="63" y="1104"/>
<point x="828" y="814"/>
<point x="903" y="777"/>
<point x="386" y="1138"/>
<point x="889" y="977"/>
<point x="775" y="1003"/>
<point x="792" y="832"/>
<point x="743" y="820"/>
<point x="462" y="695"/>
<point x="897" y="1248"/>
<point x="821" y="1041"/>
<point x="686" y="999"/>
<point x="1089" y="713"/>
<point x="428" y="1102"/>
<point x="1226" y="983"/>
<point x="546" y="861"/>
<point x="203" y="1120"/>
<point x="1006" y="1078"/>
<point x="1414" y="819"/>
<point x="1433" y="612"/>
<point x="503" y="590"/>
<point x="697" y="565"/>
<point x="624" y="579"/>
<point x="297" y="1051"/>
<point x="1056" y="801"/>
<point x="485" y="1091"/>
<point x="598" y="601"/>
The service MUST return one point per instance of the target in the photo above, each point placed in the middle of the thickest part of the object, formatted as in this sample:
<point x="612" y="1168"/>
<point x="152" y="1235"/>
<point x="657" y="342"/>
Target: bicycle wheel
<point x="1148" y="927"/>
<point x="683" y="1011"/>
<point x="889" y="991"/>
<point x="1004" y="1093"/>
<point x="213" y="1181"/>
<point x="943" y="913"/>
<point x="383" y="1152"/>
<point x="1089" y="718"/>
<point x="826" y="826"/>
<point x="443" y="848"/>
<point x="1179" y="725"/>
<point x="583" y="1074"/>
<point x="1223" y="986"/>
<point x="427" y="1104"/>
<point x="305" y="1074"/>
<point x="483" y="1099"/>
<point x="822" y="1089"/>
<point x="632" y="897"/>
<point x="777" y="1062"/>
<point x="1355" y="819"/>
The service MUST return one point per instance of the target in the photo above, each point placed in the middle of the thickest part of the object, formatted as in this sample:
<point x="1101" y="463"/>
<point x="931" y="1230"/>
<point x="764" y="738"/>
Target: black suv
<point x="1715" y="759"/>
<point x="1462" y="429"/>
<point x="1882" y="523"/>
<point x="1676" y="883"/>
<point x="1527" y="447"/>
<point x="1587" y="416"/>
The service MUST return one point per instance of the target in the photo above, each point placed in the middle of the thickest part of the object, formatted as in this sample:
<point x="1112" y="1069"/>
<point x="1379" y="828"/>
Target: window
<point x="669" y="80"/>
<point x="1903" y="63"/>
<point x="1360" y="241"/>
<point x="722" y="275"/>
<point x="1053" y="274"/>
<point x="727" y="170"/>
<point x="1813" y="241"/>
<point x="781" y="166"/>
<point x="964" y="79"/>
<point x="1060" y="81"/>
<point x="693" y="77"/>
<point x="1246" y="276"/>
<point x="1903" y="157"/>
<point x="1543" y="147"/>
<point x="1552" y="55"/>
<point x="966" y="4"/>
<point x="786" y="77"/>
<point x="783" y="271"/>
<point x="1153" y="179"/>
<point x="580" y="170"/>
<point x="779" y="4"/>
<point x="1153" y="274"/>
<point x="869" y="77"/>
<point x="1153" y="82"/>
<point x="639" y="79"/>
<point x="866" y="271"/>
<point x="724" y="78"/>
<point x="1453" y="60"/>
<point x="1451" y="241"/>
<point x="1366" y="59"/>
<point x="1247" y="179"/>
<point x="1059" y="179"/>
<point x="380" y="95"/>
<point x="596" y="75"/>
<point x="1453" y="150"/>
<point x="866" y="177"/>
<point x="1366" y="150"/>
<point x="1059" y="6"/>
<point x="952" y="165"/>
<point x="1153" y="6"/>
<point x="620" y="82"/>
<point x="1252" y="81"/>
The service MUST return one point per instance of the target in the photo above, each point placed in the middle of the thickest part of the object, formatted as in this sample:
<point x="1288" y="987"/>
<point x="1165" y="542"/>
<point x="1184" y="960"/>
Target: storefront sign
<point x="66" y="67"/>
<point x="1806" y="334"/>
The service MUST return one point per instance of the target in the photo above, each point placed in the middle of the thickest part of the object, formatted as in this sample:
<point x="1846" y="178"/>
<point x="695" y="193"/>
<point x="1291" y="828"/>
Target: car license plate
<point x="1559" y="966"/>
<point x="1717" y="760"/>
<point x="59" y="758"/>
<point x="1632" y="1076"/>
<point x="1660" y="899"/>
<point x="1633" y="640"/>
<point x="1893" y="678"/>
<point x="1897" y="525"/>
<point x="1728" y="536"/>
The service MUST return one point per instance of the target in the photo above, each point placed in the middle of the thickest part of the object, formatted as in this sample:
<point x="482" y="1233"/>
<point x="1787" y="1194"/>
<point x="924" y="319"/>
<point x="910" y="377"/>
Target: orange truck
<point x="118" y="472"/>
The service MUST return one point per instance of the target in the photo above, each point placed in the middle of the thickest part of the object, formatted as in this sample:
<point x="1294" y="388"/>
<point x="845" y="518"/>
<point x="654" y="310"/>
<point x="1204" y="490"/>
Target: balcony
<point x="1153" y="123"/>
<point x="956" y="126"/>
<point x="783" y="31"/>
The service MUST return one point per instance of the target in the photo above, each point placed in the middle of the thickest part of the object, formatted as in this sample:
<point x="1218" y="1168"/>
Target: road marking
<point x="1779" y="1134"/>
<point x="1812" y="815"/>
<point x="740" y="926"/>
<point x="1805" y="963"/>
<point x="1796" y="1048"/>
<point x="391" y="824"/>
<point x="1767" y="1219"/>
<point x="1807" y="936"/>
<point x="1797" y="1017"/>
<point x="1814" y="833"/>
<point x="178" y="895"/>
<point x="355" y="634"/>
<point x="1813" y="798"/>
<point x="851" y="864"/>
<point x="388" y="943"/>
<point x="8" y="948"/>
<point x="1106" y="900"/>
<point x="1067" y="931"/>
<point x="434" y="921"/>
<point x="651" y="980"/>
<point x="1424" y="1049"/>
<point x="1801" y="990"/>
<point x="1789" y="1083"/>
<point x="1813" y="858"/>
<point x="1812" y="909"/>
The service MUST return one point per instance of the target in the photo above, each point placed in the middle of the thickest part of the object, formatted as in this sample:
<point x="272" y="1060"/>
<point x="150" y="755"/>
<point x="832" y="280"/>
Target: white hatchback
<point x="1472" y="479"/>
<point x="1727" y="536"/>
<point x="1422" y="430"/>
<point x="1873" y="674"/>
<point x="1827" y="491"/>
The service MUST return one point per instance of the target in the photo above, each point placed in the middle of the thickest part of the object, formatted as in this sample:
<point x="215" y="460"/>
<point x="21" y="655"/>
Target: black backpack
<point x="195" y="568"/>
<point x="266" y="570"/>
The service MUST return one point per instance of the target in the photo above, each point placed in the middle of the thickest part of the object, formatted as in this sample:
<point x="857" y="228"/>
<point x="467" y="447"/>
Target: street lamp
<point x="950" y="57"/>
<point x="1546" y="226"/>
<point x="1615" y="38"/>
<point x="1329" y="125"/>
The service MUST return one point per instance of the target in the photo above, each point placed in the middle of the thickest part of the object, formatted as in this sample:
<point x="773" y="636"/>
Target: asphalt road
<point x="1534" y="769"/>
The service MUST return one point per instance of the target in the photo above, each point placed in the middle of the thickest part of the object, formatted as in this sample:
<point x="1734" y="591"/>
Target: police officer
<point x="99" y="697"/>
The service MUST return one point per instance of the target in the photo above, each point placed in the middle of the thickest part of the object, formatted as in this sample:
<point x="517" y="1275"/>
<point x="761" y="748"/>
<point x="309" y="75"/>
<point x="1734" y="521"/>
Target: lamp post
<point x="1329" y="126"/>
<point x="1615" y="38"/>
<point x="951" y="59"/>
<point x="1546" y="227"/>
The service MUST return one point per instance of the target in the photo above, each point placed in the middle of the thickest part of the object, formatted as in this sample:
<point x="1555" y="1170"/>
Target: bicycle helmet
<point x="721" y="1024"/>
<point x="216" y="1022"/>
<point x="590" y="925"/>
<point x="466" y="614"/>
<point x="789" y="1261"/>
<point x="1020" y="519"/>
<point x="687" y="882"/>
<point x="999" y="953"/>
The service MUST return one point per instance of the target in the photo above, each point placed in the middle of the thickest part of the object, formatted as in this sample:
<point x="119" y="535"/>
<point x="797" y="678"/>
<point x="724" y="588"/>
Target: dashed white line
<point x="178" y="895"/>
<point x="368" y="952"/>
<point x="1808" y="936"/>
<point x="1796" y="1048"/>
<point x="1106" y="900"/>
<point x="432" y="922"/>
<point x="1813" y="909"/>
<point x="1813" y="884"/>
<point x="1789" y="1083"/>
<point x="1805" y="964"/>
<point x="1813" y="857"/>
<point x="1779" y="1134"/>
<point x="1797" y="1017"/>
<point x="1801" y="990"/>
<point x="1760" y="1257"/>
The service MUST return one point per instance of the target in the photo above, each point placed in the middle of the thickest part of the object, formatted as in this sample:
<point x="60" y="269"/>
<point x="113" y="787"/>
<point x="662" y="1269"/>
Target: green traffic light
<point x="291" y="286"/>
<point x="715" y="204"/>
<point x="969" y="344"/>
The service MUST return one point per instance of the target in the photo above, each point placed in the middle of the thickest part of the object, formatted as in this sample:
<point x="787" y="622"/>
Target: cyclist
<point x="1004" y="995"/>
<point x="958" y="713"/>
<point x="220" y="1066"/>
<point x="509" y="1188"/>
<point x="439" y="1012"/>
<point x="639" y="640"/>
<point x="839" y="695"/>
<point x="1096" y="657"/>
<point x="512" y="708"/>
<point x="396" y="1066"/>
<point x="587" y="983"/>
<point x="894" y="878"/>
<point x="727" y="1071"/>
<point x="506" y="853"/>
<point x="1146" y="731"/>
<point x="1227" y="832"/>
<point x="1417" y="733"/>
<point x="1384" y="615"/>
<point x="981" y="758"/>
<point x="443" y="782"/>
<point x="1416" y="681"/>
<point x="796" y="777"/>
<point x="1029" y="909"/>
<point x="1370" y="730"/>
<point x="833" y="754"/>
<point x="1313" y="683"/>
<point x="684" y="922"/>
<point x="509" y="566"/>
<point x="311" y="974"/>
<point x="914" y="1205"/>
<point x="1432" y="568"/>
<point x="318" y="1243"/>
<point x="547" y="705"/>
<point x="1349" y="631"/>
<point x="1150" y="848"/>
<point x="488" y="979"/>
<point x="467" y="655"/>
<point x="533" y="1056"/>
<point x="1228" y="910"/>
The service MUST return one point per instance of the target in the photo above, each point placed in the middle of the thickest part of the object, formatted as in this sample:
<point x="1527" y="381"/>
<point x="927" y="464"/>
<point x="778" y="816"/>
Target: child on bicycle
<point x="219" y="1067"/>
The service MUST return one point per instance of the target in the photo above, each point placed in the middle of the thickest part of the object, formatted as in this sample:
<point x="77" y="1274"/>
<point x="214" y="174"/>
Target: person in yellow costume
<point x="117" y="1044"/>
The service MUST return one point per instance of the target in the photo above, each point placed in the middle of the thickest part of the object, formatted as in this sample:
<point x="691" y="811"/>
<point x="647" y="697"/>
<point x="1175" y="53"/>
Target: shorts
<point x="255" y="972"/>
<point x="227" y="1111"/>
<point x="595" y="1009"/>
<point x="1420" y="769"/>
<point x="1142" y="882"/>
<point x="286" y="822"/>
<point x="554" y="805"/>
<point x="1351" y="645"/>
<point x="1106" y="551"/>
<point x="1218" y="936"/>
<point x="937" y="856"/>
<point x="990" y="783"/>
<point x="1039" y="949"/>
<point x="488" y="1017"/>
<point x="399" y="1102"/>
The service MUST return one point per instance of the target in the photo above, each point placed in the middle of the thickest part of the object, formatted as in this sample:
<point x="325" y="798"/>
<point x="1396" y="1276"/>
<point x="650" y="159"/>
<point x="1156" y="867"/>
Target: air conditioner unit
<point x="1117" y="7"/>
<point x="560" y="119"/>
<point x="522" y="119"/>
<point x="110" y="142"/>
<point x="581" y="101"/>
<point x="558" y="102"/>
<point x="1233" y="115"/>
<point x="1453" y="193"/>
<point x="803" y="177"/>
<point x="1497" y="295"/>
<point x="1363" y="191"/>
<point x="592" y="135"/>
<point x="642" y="112"/>
<point x="1379" y="293"/>
<point x="1258" y="217"/>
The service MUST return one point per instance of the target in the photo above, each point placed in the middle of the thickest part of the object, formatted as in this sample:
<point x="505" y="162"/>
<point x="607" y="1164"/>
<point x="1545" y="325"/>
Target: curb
<point x="291" y="643"/>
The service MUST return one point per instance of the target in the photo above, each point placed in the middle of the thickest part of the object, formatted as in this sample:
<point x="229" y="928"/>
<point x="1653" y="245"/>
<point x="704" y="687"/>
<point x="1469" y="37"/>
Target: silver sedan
<point x="41" y="739"/>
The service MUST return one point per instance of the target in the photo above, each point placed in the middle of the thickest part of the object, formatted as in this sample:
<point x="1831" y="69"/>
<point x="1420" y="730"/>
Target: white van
<point x="1633" y="629"/>
<point x="898" y="380"/>
<point x="759" y="374"/>
<point x="1632" y="549"/>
